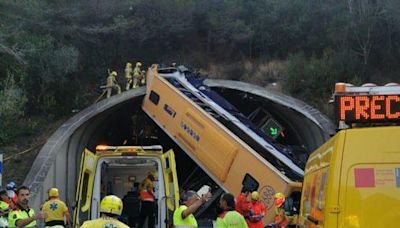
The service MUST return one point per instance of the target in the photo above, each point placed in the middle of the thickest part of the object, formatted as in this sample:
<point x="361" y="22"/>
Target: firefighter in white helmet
<point x="110" y="208"/>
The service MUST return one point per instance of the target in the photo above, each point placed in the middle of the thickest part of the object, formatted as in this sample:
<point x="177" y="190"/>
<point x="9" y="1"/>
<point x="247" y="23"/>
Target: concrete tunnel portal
<point x="120" y="120"/>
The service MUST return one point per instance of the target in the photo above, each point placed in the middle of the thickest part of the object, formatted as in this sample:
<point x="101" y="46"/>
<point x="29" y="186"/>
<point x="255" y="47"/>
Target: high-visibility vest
<point x="16" y="215"/>
<point x="178" y="221"/>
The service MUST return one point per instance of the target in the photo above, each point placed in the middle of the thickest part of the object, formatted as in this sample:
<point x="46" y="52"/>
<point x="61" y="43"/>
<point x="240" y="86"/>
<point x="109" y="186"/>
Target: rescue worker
<point x="110" y="208"/>
<point x="4" y="197"/>
<point x="11" y="192"/>
<point x="4" y="209"/>
<point x="183" y="215"/>
<point x="112" y="84"/>
<point x="280" y="219"/>
<point x="242" y="203"/>
<point x="136" y="74"/>
<point x="56" y="210"/>
<point x="128" y="76"/>
<point x="229" y="217"/>
<point x="147" y="198"/>
<point x="24" y="216"/>
<point x="143" y="78"/>
<point x="257" y="211"/>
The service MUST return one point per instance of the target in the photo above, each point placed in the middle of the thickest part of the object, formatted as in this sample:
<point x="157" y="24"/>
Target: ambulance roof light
<point x="105" y="147"/>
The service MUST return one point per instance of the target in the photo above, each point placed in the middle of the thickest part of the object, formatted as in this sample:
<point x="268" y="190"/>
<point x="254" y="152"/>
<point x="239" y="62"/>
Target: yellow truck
<point x="117" y="170"/>
<point x="353" y="180"/>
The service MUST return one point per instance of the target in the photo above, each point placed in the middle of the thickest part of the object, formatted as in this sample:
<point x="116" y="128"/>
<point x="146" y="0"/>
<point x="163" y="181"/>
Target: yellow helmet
<point x="111" y="204"/>
<point x="114" y="73"/>
<point x="138" y="64"/>
<point x="255" y="196"/>
<point x="153" y="173"/>
<point x="53" y="192"/>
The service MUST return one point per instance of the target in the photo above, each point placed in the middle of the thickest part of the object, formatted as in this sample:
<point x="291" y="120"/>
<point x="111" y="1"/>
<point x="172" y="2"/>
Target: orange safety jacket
<point x="146" y="192"/>
<point x="278" y="213"/>
<point x="255" y="218"/>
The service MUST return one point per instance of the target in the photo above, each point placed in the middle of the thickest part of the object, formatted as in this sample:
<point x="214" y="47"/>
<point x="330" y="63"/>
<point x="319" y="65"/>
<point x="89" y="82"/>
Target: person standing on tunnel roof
<point x="56" y="210"/>
<point x="128" y="76"/>
<point x="24" y="216"/>
<point x="136" y="74"/>
<point x="112" y="83"/>
<point x="183" y="215"/>
<point x="147" y="199"/>
<point x="110" y="208"/>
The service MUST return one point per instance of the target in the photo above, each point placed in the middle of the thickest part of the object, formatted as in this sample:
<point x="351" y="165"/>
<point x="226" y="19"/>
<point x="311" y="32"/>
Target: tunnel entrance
<point x="121" y="121"/>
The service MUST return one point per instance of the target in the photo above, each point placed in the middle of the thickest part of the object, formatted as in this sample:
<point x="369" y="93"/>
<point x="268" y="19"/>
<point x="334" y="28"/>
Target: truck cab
<point x="119" y="170"/>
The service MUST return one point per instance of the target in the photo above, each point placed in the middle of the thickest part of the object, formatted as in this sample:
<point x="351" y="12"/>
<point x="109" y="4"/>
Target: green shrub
<point x="314" y="78"/>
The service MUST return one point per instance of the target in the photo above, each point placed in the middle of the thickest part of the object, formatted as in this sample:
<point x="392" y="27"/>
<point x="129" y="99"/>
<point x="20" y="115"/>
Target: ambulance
<point x="118" y="170"/>
<point x="353" y="180"/>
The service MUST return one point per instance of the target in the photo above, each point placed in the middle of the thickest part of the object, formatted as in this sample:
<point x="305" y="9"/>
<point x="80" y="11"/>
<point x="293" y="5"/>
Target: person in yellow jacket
<point x="136" y="74"/>
<point x="56" y="210"/>
<point x="229" y="218"/>
<point x="24" y="216"/>
<point x="183" y="215"/>
<point x="128" y="76"/>
<point x="112" y="84"/>
<point x="110" y="208"/>
<point x="4" y="209"/>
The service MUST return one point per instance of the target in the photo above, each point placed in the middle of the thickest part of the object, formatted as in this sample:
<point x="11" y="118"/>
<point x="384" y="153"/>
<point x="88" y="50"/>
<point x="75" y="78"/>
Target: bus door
<point x="85" y="187"/>
<point x="171" y="199"/>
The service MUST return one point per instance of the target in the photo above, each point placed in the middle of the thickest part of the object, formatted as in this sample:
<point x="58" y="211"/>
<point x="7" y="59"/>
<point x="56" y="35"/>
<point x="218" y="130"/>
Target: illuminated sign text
<point x="368" y="108"/>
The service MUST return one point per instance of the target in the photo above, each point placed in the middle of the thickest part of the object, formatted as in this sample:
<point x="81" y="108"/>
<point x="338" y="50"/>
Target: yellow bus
<point x="118" y="170"/>
<point x="225" y="157"/>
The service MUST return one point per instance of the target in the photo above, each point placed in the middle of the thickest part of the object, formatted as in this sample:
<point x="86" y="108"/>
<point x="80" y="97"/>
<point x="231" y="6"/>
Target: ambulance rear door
<point x="171" y="198"/>
<point x="85" y="187"/>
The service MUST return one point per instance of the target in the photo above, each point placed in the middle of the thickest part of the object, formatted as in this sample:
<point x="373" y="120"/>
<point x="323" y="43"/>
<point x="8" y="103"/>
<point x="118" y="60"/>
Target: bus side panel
<point x="370" y="194"/>
<point x="217" y="153"/>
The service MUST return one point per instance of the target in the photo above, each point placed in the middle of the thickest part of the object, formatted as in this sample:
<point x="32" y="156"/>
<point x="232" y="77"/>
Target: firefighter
<point x="128" y="76"/>
<point x="280" y="219"/>
<point x="136" y="74"/>
<point x="110" y="208"/>
<point x="56" y="210"/>
<point x="147" y="198"/>
<point x="112" y="83"/>
<point x="143" y="78"/>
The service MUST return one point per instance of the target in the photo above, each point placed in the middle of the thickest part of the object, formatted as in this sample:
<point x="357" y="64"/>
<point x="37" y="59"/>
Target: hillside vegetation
<point x="53" y="54"/>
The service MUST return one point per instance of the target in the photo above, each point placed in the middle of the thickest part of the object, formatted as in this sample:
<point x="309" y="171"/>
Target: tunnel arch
<point x="58" y="160"/>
